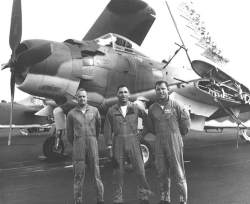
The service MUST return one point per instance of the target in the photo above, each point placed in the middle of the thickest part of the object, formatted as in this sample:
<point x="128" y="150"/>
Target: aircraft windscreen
<point x="119" y="43"/>
<point x="105" y="40"/>
<point x="125" y="45"/>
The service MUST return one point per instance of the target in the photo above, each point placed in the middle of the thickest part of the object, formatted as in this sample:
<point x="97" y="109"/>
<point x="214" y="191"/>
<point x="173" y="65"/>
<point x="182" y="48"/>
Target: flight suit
<point x="125" y="145"/>
<point x="169" y="124"/>
<point x="82" y="132"/>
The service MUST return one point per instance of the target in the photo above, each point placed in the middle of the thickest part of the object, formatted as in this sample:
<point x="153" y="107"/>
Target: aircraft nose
<point x="34" y="55"/>
<point x="27" y="56"/>
<point x="30" y="53"/>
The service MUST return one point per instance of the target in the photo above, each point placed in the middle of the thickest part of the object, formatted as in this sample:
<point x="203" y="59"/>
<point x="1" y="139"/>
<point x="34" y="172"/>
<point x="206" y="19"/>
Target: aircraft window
<point x="128" y="45"/>
<point x="120" y="42"/>
<point x="105" y="41"/>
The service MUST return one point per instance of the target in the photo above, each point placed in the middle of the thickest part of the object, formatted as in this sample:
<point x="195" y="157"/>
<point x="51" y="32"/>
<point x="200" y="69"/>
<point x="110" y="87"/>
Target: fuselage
<point x="100" y="69"/>
<point x="101" y="65"/>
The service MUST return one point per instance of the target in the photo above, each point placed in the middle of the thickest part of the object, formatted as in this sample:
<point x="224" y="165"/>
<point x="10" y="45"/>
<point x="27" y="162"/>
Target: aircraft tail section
<point x="131" y="19"/>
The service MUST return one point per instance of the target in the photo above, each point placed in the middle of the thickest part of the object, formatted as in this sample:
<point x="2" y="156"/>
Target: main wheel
<point x="147" y="153"/>
<point x="49" y="148"/>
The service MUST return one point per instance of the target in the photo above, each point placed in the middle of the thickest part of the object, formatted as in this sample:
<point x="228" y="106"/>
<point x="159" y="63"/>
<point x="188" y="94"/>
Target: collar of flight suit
<point x="87" y="108"/>
<point x="117" y="106"/>
<point x="168" y="106"/>
<point x="158" y="102"/>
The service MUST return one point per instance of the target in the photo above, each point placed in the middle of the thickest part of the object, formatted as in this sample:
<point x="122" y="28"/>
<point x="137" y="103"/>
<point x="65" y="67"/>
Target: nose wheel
<point x="50" y="150"/>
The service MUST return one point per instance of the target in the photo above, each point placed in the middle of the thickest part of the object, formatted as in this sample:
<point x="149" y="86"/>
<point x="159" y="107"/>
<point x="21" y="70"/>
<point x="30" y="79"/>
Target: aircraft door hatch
<point x="132" y="64"/>
<point x="208" y="71"/>
<point x="94" y="79"/>
<point x="220" y="85"/>
<point x="226" y="92"/>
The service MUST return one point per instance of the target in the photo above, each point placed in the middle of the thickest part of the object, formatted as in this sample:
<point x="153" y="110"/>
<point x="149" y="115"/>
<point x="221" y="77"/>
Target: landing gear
<point x="244" y="135"/>
<point x="53" y="147"/>
<point x="50" y="150"/>
<point x="147" y="153"/>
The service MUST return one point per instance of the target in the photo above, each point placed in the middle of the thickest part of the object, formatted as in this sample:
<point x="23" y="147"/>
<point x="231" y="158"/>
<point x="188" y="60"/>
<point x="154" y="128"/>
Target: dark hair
<point x="122" y="86"/>
<point x="80" y="89"/>
<point x="161" y="82"/>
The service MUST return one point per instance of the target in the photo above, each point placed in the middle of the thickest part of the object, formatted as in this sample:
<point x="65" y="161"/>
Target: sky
<point x="58" y="20"/>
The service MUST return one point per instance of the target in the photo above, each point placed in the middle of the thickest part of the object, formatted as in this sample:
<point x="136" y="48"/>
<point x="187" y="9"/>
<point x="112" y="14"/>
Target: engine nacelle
<point x="54" y="77"/>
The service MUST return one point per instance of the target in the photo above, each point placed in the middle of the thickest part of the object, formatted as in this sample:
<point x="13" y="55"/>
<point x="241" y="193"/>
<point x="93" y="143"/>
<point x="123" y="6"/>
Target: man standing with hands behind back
<point x="83" y="128"/>
<point x="169" y="121"/>
<point x="122" y="121"/>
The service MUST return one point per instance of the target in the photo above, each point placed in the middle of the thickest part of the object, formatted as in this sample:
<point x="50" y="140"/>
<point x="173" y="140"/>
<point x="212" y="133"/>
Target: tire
<point x="147" y="153"/>
<point x="48" y="148"/>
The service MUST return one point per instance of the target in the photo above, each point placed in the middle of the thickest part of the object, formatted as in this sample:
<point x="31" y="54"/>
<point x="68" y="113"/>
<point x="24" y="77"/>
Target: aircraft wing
<point x="222" y="113"/>
<point x="227" y="92"/>
<point x="32" y="110"/>
<point x="23" y="116"/>
<point x="228" y="121"/>
<point x="131" y="19"/>
<point x="211" y="97"/>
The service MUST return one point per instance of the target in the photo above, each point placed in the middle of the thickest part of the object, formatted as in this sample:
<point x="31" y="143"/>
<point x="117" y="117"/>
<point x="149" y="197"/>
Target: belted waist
<point x="174" y="131"/>
<point x="122" y="135"/>
<point x="86" y="136"/>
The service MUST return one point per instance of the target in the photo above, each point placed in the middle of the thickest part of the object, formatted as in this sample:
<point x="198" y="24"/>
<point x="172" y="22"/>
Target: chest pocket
<point x="166" y="119"/>
<point x="118" y="119"/>
<point x="89" y="117"/>
<point x="172" y="120"/>
<point x="77" y="123"/>
<point x="131" y="115"/>
<point x="164" y="114"/>
<point x="167" y="113"/>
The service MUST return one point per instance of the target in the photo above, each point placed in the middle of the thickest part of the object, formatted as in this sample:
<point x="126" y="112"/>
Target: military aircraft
<point x="107" y="56"/>
<point x="24" y="117"/>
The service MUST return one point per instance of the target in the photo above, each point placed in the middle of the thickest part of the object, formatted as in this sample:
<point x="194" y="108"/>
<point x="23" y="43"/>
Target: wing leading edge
<point x="129" y="18"/>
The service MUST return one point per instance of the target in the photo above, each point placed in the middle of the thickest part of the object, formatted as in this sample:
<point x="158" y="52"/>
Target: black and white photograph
<point x="124" y="102"/>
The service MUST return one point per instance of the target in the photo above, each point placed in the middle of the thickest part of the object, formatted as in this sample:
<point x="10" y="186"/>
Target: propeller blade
<point x="16" y="25"/>
<point x="4" y="66"/>
<point x="35" y="54"/>
<point x="12" y="89"/>
<point x="14" y="40"/>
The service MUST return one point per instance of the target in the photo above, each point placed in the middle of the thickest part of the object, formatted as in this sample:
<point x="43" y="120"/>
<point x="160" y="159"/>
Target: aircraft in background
<point x="109" y="55"/>
<point x="24" y="117"/>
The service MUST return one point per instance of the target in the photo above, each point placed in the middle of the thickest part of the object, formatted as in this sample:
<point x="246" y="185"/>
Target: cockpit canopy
<point x="119" y="43"/>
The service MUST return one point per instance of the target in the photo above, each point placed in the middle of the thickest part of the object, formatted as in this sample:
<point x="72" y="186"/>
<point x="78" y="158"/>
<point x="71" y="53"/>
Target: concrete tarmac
<point x="217" y="172"/>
